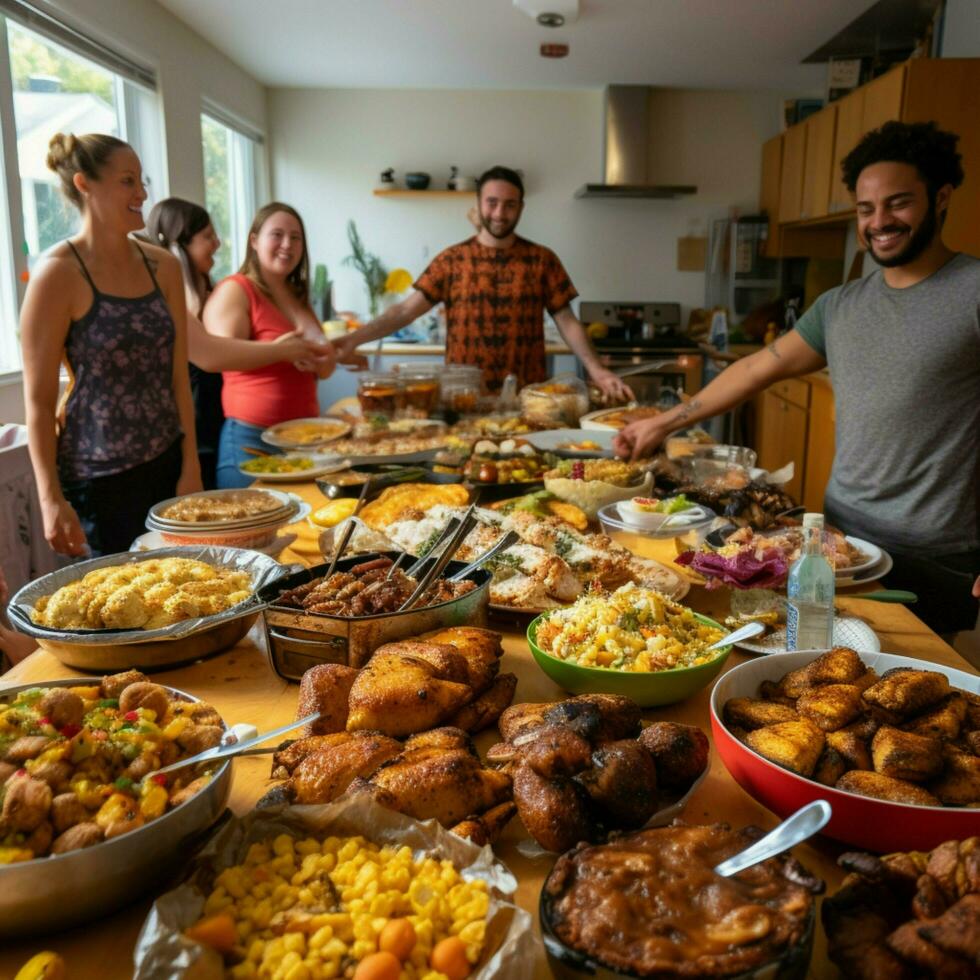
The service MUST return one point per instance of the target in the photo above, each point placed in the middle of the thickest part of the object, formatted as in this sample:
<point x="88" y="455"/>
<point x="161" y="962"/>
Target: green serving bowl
<point x="648" y="689"/>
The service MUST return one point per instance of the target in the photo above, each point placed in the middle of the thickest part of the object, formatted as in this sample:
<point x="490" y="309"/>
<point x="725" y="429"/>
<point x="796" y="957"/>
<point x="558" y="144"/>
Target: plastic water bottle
<point x="810" y="593"/>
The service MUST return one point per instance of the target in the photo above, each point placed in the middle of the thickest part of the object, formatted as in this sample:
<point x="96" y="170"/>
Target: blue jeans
<point x="235" y="436"/>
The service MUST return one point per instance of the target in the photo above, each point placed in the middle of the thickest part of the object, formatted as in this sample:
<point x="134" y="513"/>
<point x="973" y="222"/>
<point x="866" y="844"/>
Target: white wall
<point x="328" y="147"/>
<point x="188" y="68"/>
<point x="961" y="30"/>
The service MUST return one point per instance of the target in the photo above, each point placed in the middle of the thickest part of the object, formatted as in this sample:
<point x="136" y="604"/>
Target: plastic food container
<point x="380" y="394"/>
<point x="561" y="401"/>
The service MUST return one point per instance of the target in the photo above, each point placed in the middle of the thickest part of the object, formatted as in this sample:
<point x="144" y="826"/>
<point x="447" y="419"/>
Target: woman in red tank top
<point x="266" y="298"/>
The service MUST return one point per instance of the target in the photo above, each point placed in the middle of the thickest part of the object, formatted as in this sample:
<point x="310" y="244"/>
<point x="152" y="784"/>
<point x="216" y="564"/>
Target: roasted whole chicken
<point x="434" y="775"/>
<point x="448" y="677"/>
<point x="583" y="767"/>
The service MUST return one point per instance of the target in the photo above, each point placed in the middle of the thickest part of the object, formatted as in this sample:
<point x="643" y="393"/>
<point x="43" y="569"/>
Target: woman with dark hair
<point x="185" y="229"/>
<point x="266" y="298"/>
<point x="114" y="311"/>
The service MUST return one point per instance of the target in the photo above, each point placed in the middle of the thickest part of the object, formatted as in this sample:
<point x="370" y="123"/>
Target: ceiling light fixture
<point x="549" y="13"/>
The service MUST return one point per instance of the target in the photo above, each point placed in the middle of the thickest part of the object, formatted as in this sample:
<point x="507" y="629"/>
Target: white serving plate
<point x="552" y="440"/>
<point x="322" y="464"/>
<point x="272" y="437"/>
<point x="874" y="553"/>
<point x="848" y="632"/>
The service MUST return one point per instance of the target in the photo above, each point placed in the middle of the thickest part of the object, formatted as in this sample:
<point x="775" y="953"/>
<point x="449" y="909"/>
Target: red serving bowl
<point x="873" y="825"/>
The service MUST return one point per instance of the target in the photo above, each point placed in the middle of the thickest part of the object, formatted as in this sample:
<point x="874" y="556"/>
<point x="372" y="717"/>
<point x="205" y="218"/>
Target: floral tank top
<point x="120" y="410"/>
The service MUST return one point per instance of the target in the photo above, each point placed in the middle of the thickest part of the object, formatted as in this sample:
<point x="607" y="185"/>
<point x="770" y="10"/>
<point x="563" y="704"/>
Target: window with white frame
<point x="53" y="79"/>
<point x="232" y="175"/>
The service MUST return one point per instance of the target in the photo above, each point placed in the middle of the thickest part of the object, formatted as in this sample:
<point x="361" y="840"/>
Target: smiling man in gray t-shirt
<point x="903" y="348"/>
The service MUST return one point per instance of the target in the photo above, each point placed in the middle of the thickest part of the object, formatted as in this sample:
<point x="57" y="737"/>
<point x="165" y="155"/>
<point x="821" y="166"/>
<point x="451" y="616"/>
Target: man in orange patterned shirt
<point x="496" y="287"/>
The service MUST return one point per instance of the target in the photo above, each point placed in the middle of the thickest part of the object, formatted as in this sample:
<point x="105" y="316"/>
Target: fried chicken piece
<point x="480" y="648"/>
<point x="622" y="783"/>
<point x="597" y="717"/>
<point x="929" y="901"/>
<point x="486" y="827"/>
<point x="972" y="722"/>
<point x="959" y="782"/>
<point x="904" y="755"/>
<point x="752" y="713"/>
<point x="771" y="691"/>
<point x="838" y="666"/>
<point x="447" y="737"/>
<point x="519" y="719"/>
<point x="955" y="867"/>
<point x="928" y="960"/>
<point x="679" y="752"/>
<point x="324" y="776"/>
<point x="852" y="747"/>
<point x="957" y="931"/>
<point x="555" y="812"/>
<point x="326" y="688"/>
<point x="830" y="767"/>
<point x="971" y="741"/>
<point x="557" y="751"/>
<point x="864" y="727"/>
<point x="285" y="760"/>
<point x="830" y="706"/>
<point x="880" y="787"/>
<point x="794" y="745"/>
<point x="944" y="721"/>
<point x="906" y="692"/>
<point x="447" y="785"/>
<point x="399" y="694"/>
<point x="448" y="662"/>
<point x="486" y="708"/>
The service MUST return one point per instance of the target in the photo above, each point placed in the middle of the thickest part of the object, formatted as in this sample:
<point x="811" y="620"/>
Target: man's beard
<point x="508" y="228"/>
<point x="918" y="242"/>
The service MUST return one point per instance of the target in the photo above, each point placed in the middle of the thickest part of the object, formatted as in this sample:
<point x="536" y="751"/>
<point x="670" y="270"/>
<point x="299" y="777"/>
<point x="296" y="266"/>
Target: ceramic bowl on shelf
<point x="417" y="181"/>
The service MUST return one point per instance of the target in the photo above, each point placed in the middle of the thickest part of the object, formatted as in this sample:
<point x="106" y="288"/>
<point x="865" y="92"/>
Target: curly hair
<point x="930" y="150"/>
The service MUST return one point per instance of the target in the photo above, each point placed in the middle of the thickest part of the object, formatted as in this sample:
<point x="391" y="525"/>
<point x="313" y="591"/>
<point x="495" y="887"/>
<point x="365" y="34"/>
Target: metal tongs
<point x="510" y="538"/>
<point x="438" y="565"/>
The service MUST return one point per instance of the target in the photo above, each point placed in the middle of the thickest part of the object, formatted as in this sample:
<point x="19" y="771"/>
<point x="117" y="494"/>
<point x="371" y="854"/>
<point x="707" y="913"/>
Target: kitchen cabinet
<point x="883" y="99"/>
<point x="818" y="162"/>
<point x="791" y="176"/>
<point x="772" y="165"/>
<point x="850" y="128"/>
<point x="947" y="91"/>
<point x="794" y="421"/>
<point x="782" y="429"/>
<point x="820" y="443"/>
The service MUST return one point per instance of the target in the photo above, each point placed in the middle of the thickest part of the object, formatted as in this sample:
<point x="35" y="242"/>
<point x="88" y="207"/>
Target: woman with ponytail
<point x="185" y="229"/>
<point x="114" y="311"/>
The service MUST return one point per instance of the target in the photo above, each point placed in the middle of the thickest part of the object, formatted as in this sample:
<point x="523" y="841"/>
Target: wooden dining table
<point x="242" y="685"/>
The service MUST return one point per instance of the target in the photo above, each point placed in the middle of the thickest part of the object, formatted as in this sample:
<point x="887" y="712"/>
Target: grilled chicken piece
<point x="519" y="719"/>
<point x="487" y="827"/>
<point x="285" y="760"/>
<point x="555" y="812"/>
<point x="326" y="688"/>
<point x="908" y="692"/>
<point x="556" y="751"/>
<point x="447" y="785"/>
<point x="622" y="782"/>
<point x="399" y="693"/>
<point x="486" y="708"/>
<point x="324" y="776"/>
<point x="679" y="752"/>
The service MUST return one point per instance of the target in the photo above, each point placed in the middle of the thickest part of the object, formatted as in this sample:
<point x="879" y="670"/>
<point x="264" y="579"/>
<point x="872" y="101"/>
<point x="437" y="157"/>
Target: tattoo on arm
<point x="775" y="353"/>
<point x="688" y="410"/>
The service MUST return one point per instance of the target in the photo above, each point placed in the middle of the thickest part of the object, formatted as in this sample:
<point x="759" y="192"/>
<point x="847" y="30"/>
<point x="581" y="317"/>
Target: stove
<point x="645" y="339"/>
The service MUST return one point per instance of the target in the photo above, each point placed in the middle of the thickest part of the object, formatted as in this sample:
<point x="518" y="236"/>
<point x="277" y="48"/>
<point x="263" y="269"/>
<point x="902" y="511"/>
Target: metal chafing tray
<point x="298" y="639"/>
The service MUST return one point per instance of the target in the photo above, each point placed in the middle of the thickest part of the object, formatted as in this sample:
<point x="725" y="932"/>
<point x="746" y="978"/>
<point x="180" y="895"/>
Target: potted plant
<point x="369" y="266"/>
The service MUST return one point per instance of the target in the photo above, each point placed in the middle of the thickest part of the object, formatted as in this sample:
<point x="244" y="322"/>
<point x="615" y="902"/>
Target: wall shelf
<point x="403" y="192"/>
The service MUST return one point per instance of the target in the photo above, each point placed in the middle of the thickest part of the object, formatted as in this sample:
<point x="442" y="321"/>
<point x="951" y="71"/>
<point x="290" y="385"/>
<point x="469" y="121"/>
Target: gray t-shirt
<point x="905" y="366"/>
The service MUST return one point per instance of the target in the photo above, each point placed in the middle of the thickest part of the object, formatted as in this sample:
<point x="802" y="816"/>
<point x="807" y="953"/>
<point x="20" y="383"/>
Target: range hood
<point x="625" y="149"/>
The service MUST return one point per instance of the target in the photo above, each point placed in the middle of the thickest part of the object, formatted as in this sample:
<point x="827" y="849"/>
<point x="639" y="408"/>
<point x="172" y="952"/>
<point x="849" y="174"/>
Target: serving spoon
<point x="745" y="632"/>
<point x="795" y="829"/>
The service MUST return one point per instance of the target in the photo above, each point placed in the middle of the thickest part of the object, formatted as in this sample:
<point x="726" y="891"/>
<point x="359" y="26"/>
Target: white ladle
<point x="806" y="822"/>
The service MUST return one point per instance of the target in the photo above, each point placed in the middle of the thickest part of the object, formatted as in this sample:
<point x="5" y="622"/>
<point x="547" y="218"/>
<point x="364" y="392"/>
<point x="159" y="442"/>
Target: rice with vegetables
<point x="631" y="629"/>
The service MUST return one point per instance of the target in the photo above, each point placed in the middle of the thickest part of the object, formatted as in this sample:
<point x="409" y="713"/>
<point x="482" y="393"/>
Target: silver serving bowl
<point x="65" y="890"/>
<point x="184" y="642"/>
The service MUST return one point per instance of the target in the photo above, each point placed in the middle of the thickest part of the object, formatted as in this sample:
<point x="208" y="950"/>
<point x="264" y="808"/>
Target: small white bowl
<point x="615" y="517"/>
